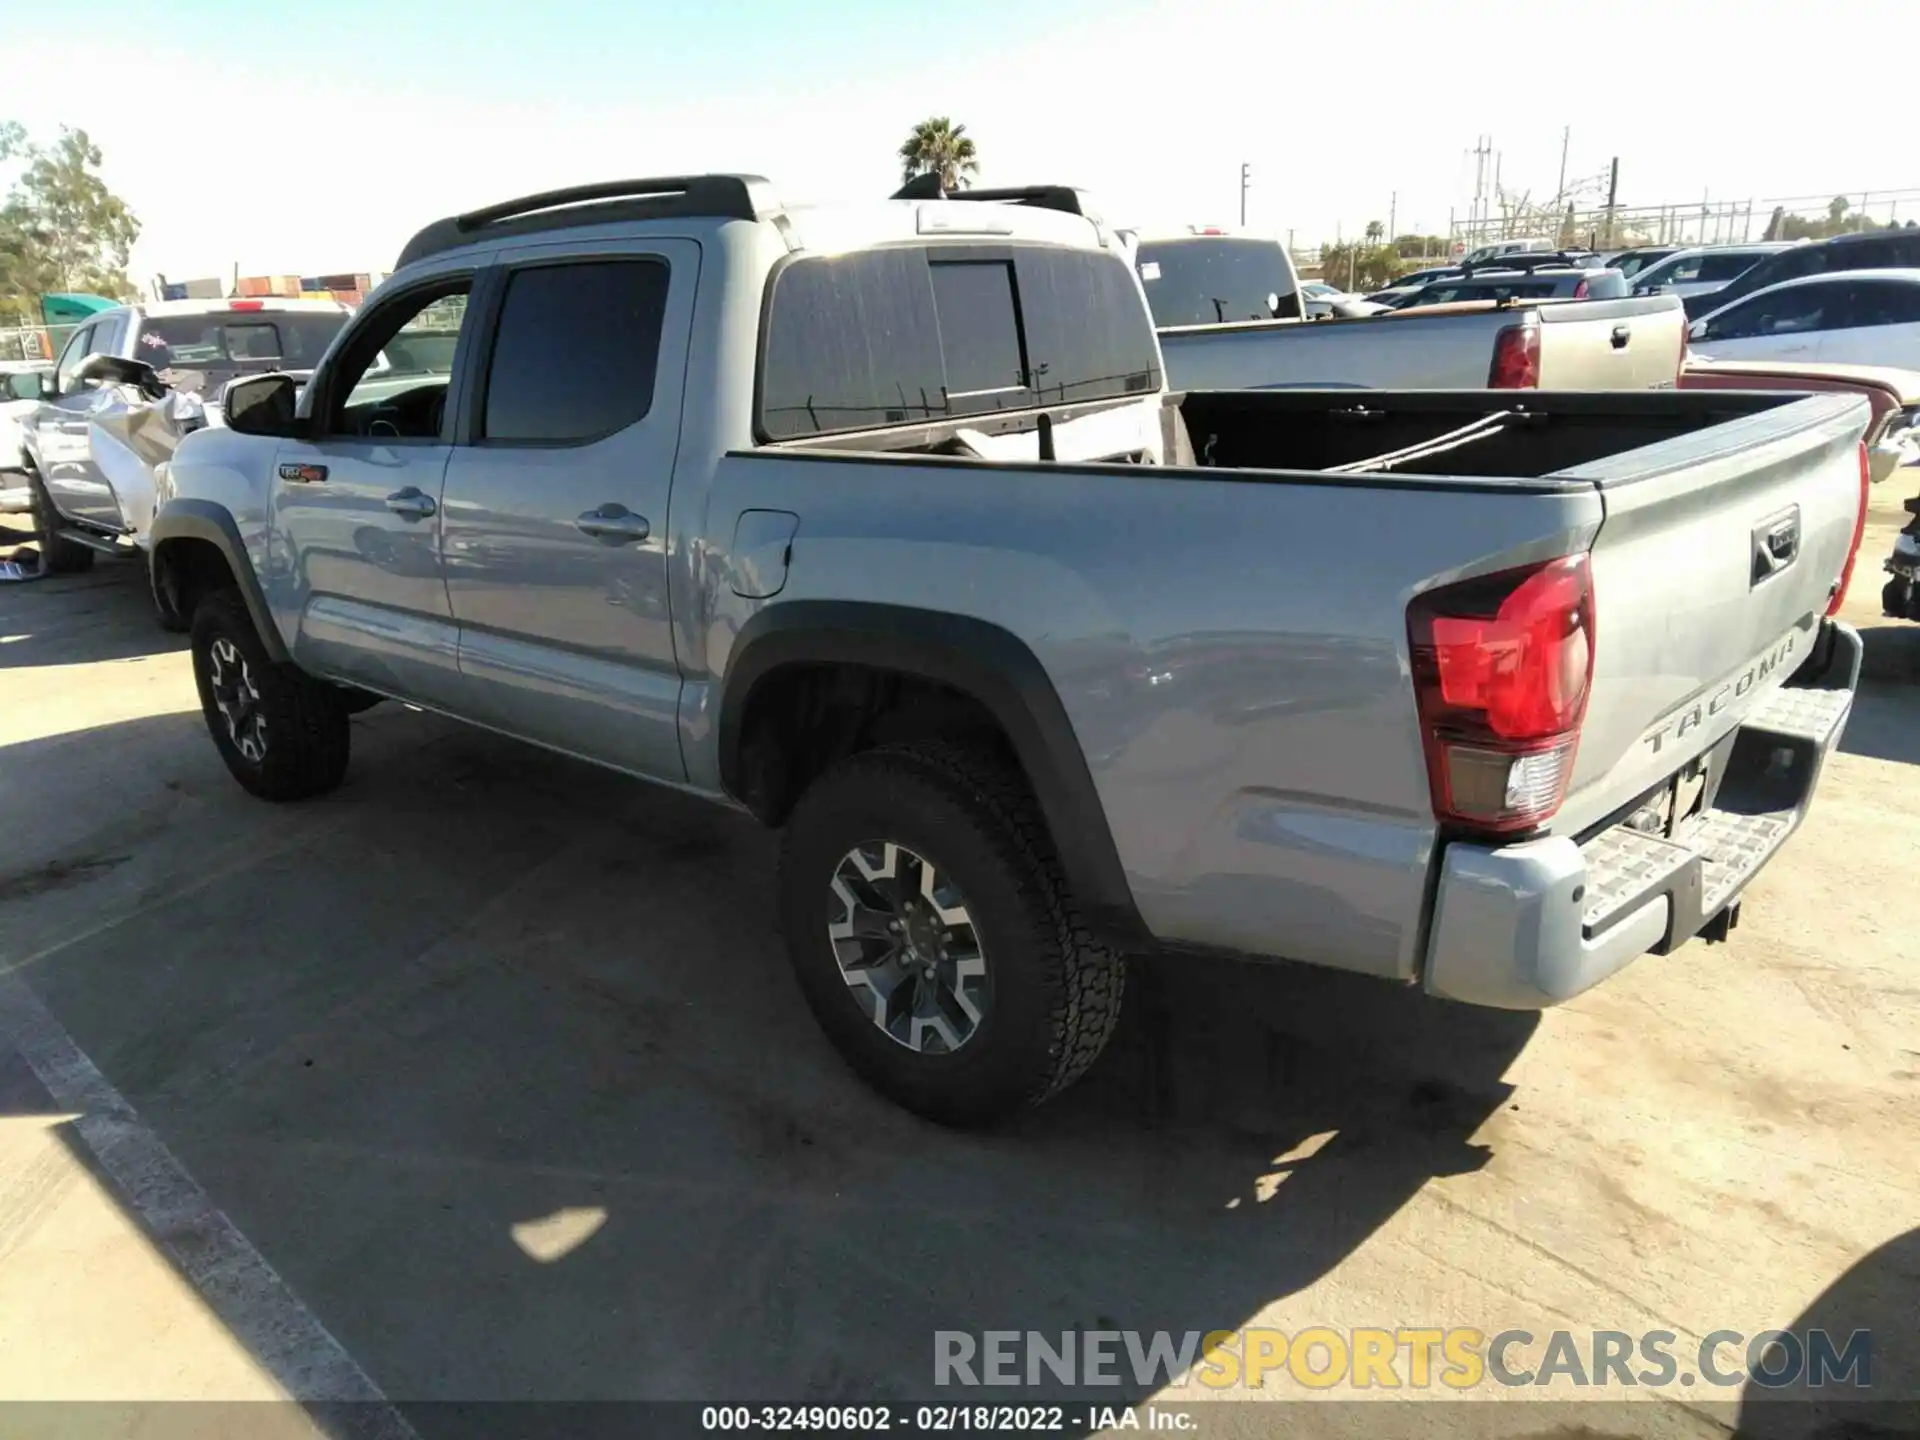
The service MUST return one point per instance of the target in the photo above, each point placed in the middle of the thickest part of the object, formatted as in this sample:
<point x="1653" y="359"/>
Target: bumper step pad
<point x="1704" y="868"/>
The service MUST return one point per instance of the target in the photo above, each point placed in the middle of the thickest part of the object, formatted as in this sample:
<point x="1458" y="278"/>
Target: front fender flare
<point x="981" y="660"/>
<point x="191" y="519"/>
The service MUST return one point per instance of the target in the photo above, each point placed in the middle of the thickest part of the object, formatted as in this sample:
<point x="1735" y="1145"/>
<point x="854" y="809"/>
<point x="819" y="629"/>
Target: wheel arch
<point x="984" y="670"/>
<point x="183" y="527"/>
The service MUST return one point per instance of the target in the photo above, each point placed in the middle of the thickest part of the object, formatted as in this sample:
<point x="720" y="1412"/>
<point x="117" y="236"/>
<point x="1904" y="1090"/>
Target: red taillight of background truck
<point x="1501" y="668"/>
<point x="1859" y="529"/>
<point x="1516" y="359"/>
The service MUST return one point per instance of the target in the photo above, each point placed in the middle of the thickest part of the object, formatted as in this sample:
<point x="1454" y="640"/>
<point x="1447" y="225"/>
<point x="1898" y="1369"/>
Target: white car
<point x="17" y="378"/>
<point x="1856" y="317"/>
<point x="14" y="408"/>
<point x="1526" y="245"/>
<point x="1703" y="269"/>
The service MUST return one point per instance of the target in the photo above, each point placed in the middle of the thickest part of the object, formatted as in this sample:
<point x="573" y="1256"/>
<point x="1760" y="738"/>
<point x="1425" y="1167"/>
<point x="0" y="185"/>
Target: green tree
<point x="61" y="228"/>
<point x="1374" y="231"/>
<point x="939" y="146"/>
<point x="1837" y="210"/>
<point x="1354" y="265"/>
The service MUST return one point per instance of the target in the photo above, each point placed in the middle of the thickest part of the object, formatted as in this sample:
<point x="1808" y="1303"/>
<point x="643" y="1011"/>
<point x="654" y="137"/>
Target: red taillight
<point x="1859" y="529"/>
<point x="246" y="305"/>
<point x="1501" y="669"/>
<point x="1516" y="359"/>
<point x="1580" y="291"/>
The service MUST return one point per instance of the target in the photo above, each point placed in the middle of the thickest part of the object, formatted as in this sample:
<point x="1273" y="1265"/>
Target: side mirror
<point x="117" y="370"/>
<point x="26" y="384"/>
<point x="260" y="405"/>
<point x="1697" y="330"/>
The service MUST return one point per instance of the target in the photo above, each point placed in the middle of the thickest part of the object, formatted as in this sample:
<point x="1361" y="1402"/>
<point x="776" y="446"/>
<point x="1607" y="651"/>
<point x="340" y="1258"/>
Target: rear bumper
<point x="1528" y="925"/>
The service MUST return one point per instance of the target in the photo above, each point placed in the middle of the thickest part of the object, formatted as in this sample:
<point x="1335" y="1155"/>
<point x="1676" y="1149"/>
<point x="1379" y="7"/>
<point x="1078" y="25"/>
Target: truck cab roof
<point x="692" y="204"/>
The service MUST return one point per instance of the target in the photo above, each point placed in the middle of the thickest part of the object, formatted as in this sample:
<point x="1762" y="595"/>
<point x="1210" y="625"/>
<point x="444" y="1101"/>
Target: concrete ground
<point x="485" y="1078"/>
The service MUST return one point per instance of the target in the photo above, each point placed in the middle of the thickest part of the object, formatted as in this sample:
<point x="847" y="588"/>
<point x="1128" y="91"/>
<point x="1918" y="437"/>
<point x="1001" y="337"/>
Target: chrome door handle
<point x="613" y="524"/>
<point x="412" y="503"/>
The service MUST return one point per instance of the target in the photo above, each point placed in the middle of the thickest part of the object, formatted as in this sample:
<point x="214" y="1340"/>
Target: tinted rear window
<point x="203" y="351"/>
<point x="1214" y="280"/>
<point x="898" y="336"/>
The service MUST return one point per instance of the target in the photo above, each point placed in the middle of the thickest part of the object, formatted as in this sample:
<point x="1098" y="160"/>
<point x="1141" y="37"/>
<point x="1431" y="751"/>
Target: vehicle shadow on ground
<point x="104" y="613"/>
<point x="1877" y="1402"/>
<point x="496" y="1060"/>
<point x="1885" y="724"/>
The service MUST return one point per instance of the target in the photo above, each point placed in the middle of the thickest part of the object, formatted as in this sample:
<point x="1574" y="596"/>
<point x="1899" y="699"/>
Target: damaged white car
<point x="129" y="384"/>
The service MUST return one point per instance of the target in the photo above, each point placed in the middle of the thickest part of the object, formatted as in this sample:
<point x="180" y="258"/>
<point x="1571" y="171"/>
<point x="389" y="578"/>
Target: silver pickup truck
<point x="1227" y="313"/>
<point x="879" y="525"/>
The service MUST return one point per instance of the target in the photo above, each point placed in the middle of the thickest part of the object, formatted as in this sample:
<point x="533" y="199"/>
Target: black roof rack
<point x="1526" y="260"/>
<point x="1041" y="197"/>
<point x="736" y="197"/>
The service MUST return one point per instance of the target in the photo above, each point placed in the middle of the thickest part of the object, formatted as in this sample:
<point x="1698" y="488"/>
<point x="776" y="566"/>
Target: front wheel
<point x="282" y="734"/>
<point x="163" y="583"/>
<point x="934" y="936"/>
<point x="58" y="555"/>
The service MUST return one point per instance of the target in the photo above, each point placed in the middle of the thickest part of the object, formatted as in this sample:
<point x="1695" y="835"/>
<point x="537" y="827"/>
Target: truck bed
<point x="1228" y="632"/>
<point x="1483" y="434"/>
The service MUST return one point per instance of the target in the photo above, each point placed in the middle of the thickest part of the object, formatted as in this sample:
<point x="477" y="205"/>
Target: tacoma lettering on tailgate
<point x="1696" y="711"/>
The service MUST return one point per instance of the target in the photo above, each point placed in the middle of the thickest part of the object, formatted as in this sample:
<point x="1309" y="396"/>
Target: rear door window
<point x="1719" y="267"/>
<point x="576" y="351"/>
<point x="1878" y="302"/>
<point x="912" y="335"/>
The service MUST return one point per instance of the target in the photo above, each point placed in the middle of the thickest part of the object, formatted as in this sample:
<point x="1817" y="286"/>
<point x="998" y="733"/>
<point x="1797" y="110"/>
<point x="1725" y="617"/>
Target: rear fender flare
<point x="979" y="659"/>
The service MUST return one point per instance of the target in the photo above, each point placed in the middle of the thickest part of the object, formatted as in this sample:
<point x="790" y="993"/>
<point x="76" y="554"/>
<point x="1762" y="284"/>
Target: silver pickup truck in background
<point x="1227" y="311"/>
<point x="1035" y="665"/>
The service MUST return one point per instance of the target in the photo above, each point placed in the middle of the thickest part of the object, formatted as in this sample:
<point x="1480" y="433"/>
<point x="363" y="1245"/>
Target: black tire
<point x="1055" y="990"/>
<point x="306" y="742"/>
<point x="1896" y="598"/>
<point x="58" y="556"/>
<point x="163" y="584"/>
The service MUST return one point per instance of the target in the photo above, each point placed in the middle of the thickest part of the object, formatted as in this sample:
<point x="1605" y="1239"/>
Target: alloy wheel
<point x="237" y="699"/>
<point x="907" y="947"/>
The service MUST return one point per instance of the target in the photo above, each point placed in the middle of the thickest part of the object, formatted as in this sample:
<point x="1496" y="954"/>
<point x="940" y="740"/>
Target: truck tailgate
<point x="1718" y="554"/>
<point x="1629" y="344"/>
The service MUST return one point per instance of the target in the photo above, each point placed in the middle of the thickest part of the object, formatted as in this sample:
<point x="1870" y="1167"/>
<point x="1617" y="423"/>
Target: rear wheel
<point x="934" y="937"/>
<point x="58" y="555"/>
<point x="282" y="734"/>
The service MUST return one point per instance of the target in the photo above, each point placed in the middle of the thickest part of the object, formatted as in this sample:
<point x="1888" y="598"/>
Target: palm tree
<point x="938" y="145"/>
<point x="1374" y="231"/>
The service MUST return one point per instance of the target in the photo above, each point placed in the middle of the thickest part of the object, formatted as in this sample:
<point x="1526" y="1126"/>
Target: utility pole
<point x="1393" y="212"/>
<point x="1246" y="177"/>
<point x="1560" y="193"/>
<point x="1482" y="148"/>
<point x="1613" y="194"/>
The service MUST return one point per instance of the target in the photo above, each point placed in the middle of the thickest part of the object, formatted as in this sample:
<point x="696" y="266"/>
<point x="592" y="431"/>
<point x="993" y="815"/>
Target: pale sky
<point x="316" y="140"/>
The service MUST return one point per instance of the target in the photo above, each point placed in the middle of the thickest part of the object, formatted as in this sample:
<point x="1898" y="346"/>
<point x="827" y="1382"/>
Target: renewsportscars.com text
<point x="1403" y="1357"/>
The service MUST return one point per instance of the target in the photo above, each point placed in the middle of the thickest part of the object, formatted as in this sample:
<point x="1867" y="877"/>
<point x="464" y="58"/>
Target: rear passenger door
<point x="555" y="525"/>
